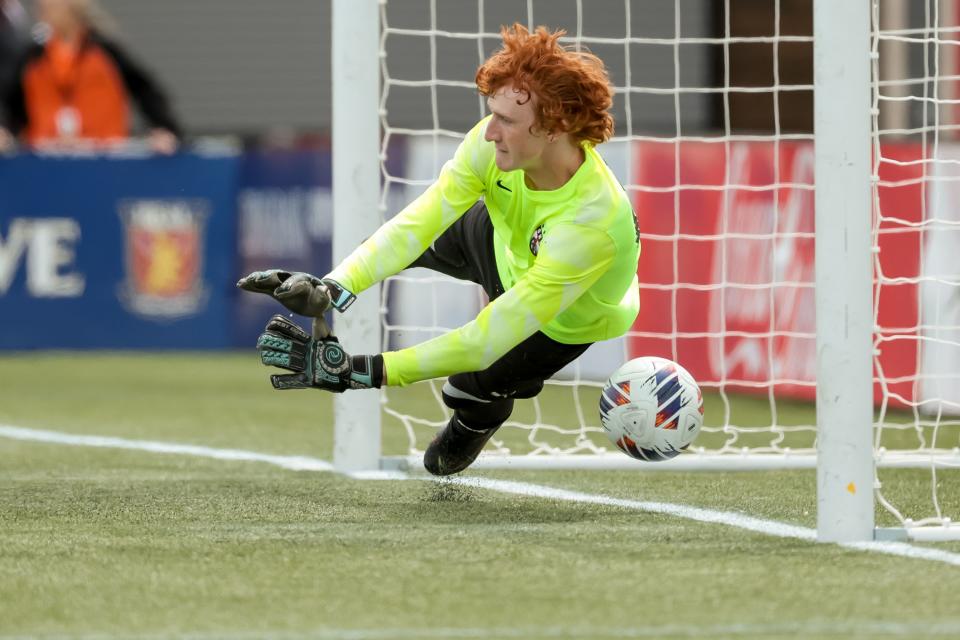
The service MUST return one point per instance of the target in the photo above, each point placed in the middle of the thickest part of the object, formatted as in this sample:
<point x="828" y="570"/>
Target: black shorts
<point x="465" y="251"/>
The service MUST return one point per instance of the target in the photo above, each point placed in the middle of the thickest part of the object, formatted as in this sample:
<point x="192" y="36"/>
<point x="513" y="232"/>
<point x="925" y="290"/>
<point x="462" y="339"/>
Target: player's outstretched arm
<point x="316" y="363"/>
<point x="299" y="292"/>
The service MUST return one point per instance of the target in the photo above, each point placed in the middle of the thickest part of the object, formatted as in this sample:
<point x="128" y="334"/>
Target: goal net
<point x="714" y="143"/>
<point x="916" y="70"/>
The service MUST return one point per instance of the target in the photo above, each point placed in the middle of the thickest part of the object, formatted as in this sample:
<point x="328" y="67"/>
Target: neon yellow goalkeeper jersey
<point x="567" y="259"/>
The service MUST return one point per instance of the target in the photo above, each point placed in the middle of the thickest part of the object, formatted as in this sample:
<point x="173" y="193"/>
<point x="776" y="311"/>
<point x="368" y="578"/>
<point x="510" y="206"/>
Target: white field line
<point x="296" y="463"/>
<point x="730" y="518"/>
<point x="304" y="463"/>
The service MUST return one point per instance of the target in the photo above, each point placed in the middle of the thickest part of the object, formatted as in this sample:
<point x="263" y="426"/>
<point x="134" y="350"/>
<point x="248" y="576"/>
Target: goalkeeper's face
<point x="513" y="131"/>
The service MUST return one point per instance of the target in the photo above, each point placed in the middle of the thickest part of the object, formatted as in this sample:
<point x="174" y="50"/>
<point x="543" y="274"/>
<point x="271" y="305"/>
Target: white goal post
<point x="403" y="96"/>
<point x="844" y="271"/>
<point x="356" y="188"/>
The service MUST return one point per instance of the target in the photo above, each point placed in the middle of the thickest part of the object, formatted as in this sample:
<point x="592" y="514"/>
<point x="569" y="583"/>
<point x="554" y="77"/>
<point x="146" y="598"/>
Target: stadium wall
<point x="263" y="68"/>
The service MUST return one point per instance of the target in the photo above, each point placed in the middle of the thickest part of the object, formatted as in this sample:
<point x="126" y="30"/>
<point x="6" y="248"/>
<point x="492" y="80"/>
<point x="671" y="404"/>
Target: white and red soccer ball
<point x="651" y="408"/>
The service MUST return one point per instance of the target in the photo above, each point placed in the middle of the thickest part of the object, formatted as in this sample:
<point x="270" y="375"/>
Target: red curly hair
<point x="571" y="88"/>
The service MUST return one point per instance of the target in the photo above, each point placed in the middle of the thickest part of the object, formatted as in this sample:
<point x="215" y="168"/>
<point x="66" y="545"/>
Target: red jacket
<point x="89" y="92"/>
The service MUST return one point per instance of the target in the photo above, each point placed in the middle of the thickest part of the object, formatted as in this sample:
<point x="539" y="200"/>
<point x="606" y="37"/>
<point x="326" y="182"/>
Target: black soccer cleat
<point x="455" y="448"/>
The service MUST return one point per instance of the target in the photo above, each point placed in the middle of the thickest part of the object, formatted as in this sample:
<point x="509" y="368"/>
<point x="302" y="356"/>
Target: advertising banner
<point x="727" y="264"/>
<point x="103" y="252"/>
<point x="285" y="221"/>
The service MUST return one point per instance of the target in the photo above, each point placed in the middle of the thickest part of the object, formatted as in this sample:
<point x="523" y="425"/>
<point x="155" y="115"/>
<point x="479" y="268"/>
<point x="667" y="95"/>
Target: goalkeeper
<point x="526" y="208"/>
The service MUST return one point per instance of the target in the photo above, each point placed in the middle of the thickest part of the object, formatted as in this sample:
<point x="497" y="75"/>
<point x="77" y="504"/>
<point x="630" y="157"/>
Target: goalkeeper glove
<point x="317" y="363"/>
<point x="299" y="292"/>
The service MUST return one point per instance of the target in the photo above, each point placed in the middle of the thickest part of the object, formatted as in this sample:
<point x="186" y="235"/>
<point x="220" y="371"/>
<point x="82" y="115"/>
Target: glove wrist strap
<point x="340" y="298"/>
<point x="367" y="371"/>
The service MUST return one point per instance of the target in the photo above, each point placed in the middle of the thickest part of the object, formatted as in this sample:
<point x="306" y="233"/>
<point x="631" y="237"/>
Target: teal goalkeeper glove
<point x="316" y="363"/>
<point x="299" y="292"/>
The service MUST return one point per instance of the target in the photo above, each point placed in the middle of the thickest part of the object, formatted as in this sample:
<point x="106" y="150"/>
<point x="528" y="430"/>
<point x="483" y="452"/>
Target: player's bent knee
<point x="470" y="405"/>
<point x="462" y="395"/>
<point x="463" y="390"/>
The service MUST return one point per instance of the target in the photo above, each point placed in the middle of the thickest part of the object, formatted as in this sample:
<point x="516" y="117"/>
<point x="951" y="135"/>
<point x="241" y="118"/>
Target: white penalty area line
<point x="305" y="463"/>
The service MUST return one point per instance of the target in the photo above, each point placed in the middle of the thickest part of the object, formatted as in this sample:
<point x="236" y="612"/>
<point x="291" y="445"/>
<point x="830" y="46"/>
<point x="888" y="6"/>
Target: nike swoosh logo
<point x="504" y="187"/>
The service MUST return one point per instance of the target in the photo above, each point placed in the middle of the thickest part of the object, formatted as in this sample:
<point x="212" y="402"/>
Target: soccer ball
<point x="651" y="408"/>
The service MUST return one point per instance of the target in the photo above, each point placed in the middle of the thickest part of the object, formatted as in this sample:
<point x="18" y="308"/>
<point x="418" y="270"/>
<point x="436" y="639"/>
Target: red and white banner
<point x="940" y="289"/>
<point x="727" y="264"/>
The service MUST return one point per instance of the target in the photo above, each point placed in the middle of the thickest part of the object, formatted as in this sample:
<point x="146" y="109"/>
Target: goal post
<point x="844" y="271"/>
<point x="356" y="188"/>
<point x="816" y="313"/>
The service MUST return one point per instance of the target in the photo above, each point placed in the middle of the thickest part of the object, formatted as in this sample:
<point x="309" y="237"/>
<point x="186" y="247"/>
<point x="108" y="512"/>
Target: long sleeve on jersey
<point x="407" y="235"/>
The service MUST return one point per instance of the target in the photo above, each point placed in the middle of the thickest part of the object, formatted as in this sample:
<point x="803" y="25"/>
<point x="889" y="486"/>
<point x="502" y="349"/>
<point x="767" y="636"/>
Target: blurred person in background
<point x="14" y="37"/>
<point x="74" y="85"/>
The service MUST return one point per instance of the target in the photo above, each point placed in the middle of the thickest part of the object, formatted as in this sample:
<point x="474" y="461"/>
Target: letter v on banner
<point x="12" y="248"/>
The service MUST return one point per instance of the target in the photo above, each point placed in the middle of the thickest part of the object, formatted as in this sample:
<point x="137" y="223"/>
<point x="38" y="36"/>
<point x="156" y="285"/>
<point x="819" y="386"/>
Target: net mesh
<point x="917" y="294"/>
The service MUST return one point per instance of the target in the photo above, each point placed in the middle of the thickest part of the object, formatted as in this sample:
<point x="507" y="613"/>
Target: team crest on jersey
<point x="163" y="249"/>
<point x="536" y="239"/>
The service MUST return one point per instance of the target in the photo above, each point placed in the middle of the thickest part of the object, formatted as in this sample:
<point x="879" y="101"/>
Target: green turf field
<point x="109" y="543"/>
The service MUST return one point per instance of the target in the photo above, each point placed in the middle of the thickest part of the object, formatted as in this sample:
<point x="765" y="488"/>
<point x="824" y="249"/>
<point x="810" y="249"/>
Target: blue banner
<point x="117" y="252"/>
<point x="285" y="220"/>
